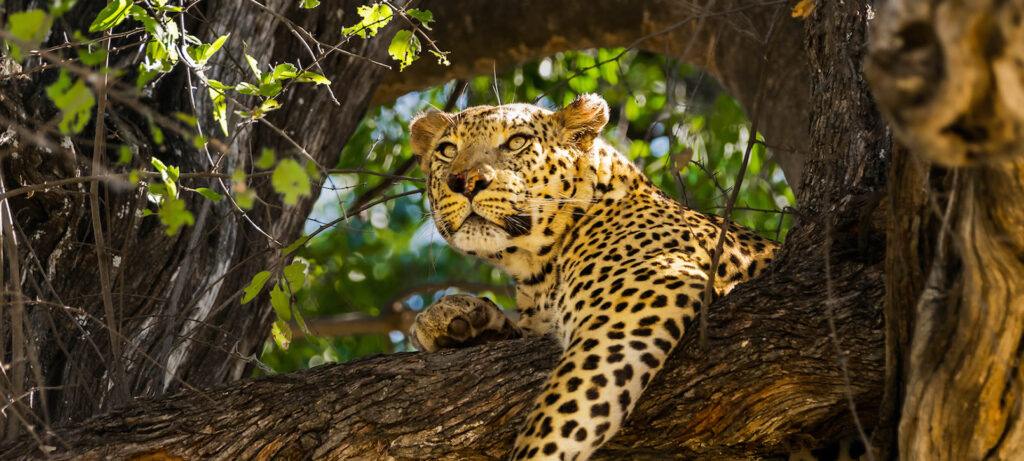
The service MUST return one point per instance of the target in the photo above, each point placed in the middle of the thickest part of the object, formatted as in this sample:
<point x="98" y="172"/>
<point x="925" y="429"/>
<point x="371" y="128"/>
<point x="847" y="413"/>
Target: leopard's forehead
<point x="490" y="119"/>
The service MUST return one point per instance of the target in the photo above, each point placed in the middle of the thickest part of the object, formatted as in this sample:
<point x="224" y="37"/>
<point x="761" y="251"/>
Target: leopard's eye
<point x="516" y="142"/>
<point x="446" y="151"/>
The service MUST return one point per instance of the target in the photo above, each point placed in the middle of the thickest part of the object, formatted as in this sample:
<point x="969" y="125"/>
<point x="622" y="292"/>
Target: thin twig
<point x="17" y="313"/>
<point x="120" y="390"/>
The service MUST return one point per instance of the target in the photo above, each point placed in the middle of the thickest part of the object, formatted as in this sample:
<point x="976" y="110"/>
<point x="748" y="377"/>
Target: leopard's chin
<point x="477" y="235"/>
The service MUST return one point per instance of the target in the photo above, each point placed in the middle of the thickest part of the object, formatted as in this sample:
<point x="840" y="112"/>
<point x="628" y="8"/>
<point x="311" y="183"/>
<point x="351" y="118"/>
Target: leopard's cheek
<point x="449" y="210"/>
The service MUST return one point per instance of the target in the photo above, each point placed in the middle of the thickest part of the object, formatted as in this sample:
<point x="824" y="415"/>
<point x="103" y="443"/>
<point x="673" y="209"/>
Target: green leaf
<point x="312" y="170"/>
<point x="247" y="88"/>
<point x="282" y="334"/>
<point x="199" y="141"/>
<point x="140" y="14"/>
<point x="74" y="100"/>
<point x="266" y="159"/>
<point x="404" y="48"/>
<point x="174" y="215"/>
<point x="290" y="180"/>
<point x="270" y="89"/>
<point x="442" y="57"/>
<point x="245" y="199"/>
<point x="188" y="119"/>
<point x="113" y="14"/>
<point x="147" y="212"/>
<point x="133" y="176"/>
<point x="312" y="77"/>
<point x="59" y="7"/>
<point x="281" y="302"/>
<point x="374" y="17"/>
<point x="202" y="53"/>
<point x="295" y="245"/>
<point x="283" y="71"/>
<point x="295" y="275"/>
<point x="28" y="26"/>
<point x="168" y="173"/>
<point x="158" y="190"/>
<point x="255" y="66"/>
<point x="125" y="155"/>
<point x="218" y="85"/>
<point x="255" y="286"/>
<point x="145" y="76"/>
<point x="92" y="58"/>
<point x="168" y="9"/>
<point x="424" y="16"/>
<point x="309" y="4"/>
<point x="220" y="107"/>
<point x="269" y="105"/>
<point x="210" y="194"/>
<point x="158" y="134"/>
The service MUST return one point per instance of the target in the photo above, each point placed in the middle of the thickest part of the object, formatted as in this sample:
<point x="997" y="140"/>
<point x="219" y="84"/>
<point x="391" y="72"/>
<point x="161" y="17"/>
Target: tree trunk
<point x="769" y="383"/>
<point x="951" y="77"/>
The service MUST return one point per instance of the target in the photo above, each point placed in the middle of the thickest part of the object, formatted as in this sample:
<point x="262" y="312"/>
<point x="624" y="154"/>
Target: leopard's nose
<point x="468" y="183"/>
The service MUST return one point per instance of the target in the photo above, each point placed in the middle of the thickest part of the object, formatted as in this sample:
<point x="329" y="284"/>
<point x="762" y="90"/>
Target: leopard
<point x="601" y="258"/>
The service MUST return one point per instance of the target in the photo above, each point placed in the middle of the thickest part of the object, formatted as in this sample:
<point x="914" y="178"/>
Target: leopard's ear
<point x="582" y="120"/>
<point x="425" y="129"/>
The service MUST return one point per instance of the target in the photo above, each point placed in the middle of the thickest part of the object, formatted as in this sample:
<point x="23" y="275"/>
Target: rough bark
<point x="949" y="75"/>
<point x="770" y="382"/>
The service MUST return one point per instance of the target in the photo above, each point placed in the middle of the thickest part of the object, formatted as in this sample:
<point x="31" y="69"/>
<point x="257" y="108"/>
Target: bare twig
<point x="16" y="376"/>
<point x="727" y="216"/>
<point x="98" y="156"/>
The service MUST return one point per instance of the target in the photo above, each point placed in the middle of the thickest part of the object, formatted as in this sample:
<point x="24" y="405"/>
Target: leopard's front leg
<point x="460" y="321"/>
<point x="618" y="343"/>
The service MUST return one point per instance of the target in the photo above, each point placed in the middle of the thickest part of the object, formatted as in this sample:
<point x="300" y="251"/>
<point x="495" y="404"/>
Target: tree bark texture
<point x="949" y="75"/>
<point x="770" y="382"/>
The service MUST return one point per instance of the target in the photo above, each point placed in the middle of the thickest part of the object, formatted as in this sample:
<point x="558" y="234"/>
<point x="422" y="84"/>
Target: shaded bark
<point x="769" y="383"/>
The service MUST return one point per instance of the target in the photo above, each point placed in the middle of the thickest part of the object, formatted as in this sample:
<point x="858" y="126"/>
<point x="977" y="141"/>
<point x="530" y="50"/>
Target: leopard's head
<point x="508" y="178"/>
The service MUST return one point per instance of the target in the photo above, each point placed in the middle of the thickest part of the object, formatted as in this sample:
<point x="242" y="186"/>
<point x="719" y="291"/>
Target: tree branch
<point x="771" y="381"/>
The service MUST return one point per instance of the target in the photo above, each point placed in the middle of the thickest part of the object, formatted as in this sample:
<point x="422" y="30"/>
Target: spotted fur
<point x="601" y="257"/>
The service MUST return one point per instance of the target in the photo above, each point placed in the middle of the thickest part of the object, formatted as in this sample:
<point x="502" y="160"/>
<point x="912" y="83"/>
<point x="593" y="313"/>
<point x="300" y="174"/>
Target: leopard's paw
<point x="460" y="321"/>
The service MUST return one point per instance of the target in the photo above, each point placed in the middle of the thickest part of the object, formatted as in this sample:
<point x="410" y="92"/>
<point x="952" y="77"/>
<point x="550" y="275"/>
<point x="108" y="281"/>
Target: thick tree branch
<point x="770" y="381"/>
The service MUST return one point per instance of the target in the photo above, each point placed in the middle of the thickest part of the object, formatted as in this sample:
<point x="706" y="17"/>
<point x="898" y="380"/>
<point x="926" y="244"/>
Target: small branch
<point x="98" y="157"/>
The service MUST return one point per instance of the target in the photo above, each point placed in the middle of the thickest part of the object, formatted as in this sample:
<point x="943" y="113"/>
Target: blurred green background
<point x="389" y="259"/>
